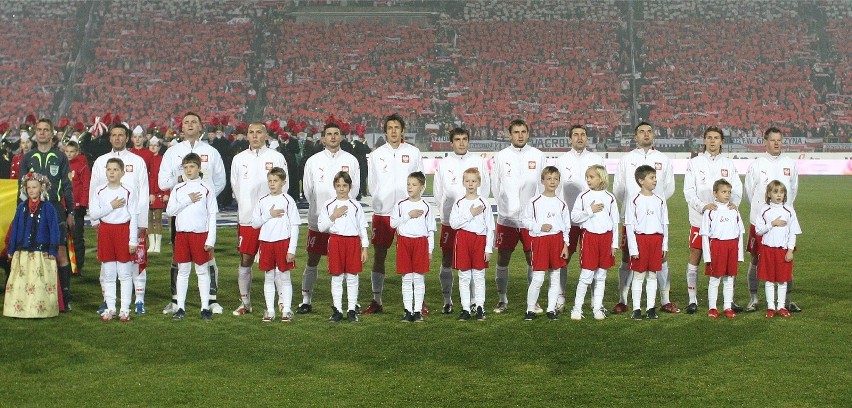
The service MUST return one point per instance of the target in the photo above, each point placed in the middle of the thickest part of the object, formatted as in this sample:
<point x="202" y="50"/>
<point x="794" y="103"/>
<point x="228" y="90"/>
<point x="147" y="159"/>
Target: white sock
<point x="446" y="279"/>
<point x="502" y="279"/>
<point x="582" y="286"/>
<point x="598" y="290"/>
<point x="378" y="282"/>
<point x="351" y="289"/>
<point x="244" y="282"/>
<point x="285" y="289"/>
<point x="555" y="290"/>
<point x="534" y="289"/>
<point x="109" y="273"/>
<point x="636" y="286"/>
<point x="309" y="277"/>
<point x="337" y="292"/>
<point x="727" y="291"/>
<point x="408" y="292"/>
<point x="625" y="276"/>
<point x="140" y="278"/>
<point x="651" y="289"/>
<point x="124" y="277"/>
<point x="782" y="295"/>
<point x="563" y="285"/>
<point x="464" y="291"/>
<point x="269" y="291"/>
<point x="479" y="285"/>
<point x="203" y="272"/>
<point x="692" y="282"/>
<point x="182" y="283"/>
<point x="769" y="288"/>
<point x="663" y="284"/>
<point x="419" y="282"/>
<point x="713" y="292"/>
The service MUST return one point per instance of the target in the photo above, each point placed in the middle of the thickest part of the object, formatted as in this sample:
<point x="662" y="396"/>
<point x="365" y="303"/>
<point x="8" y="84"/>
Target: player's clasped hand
<point x="195" y="197"/>
<point x="474" y="211"/>
<point x="597" y="207"/>
<point x="118" y="202"/>
<point x="276" y="213"/>
<point x="339" y="212"/>
<point x="415" y="213"/>
<point x="546" y="228"/>
<point x="778" y="222"/>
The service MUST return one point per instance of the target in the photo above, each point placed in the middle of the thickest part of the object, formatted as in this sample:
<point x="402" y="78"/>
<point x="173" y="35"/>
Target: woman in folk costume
<point x="32" y="288"/>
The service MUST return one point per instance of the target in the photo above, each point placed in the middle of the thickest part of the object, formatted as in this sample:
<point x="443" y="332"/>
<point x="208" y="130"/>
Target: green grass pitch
<point x="680" y="360"/>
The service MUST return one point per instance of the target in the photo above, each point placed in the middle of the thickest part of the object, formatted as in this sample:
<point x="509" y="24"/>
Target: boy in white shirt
<point x="646" y="220"/>
<point x="277" y="218"/>
<point x="114" y="206"/>
<point x="722" y="244"/>
<point x="548" y="220"/>
<point x="193" y="204"/>
<point x="414" y="222"/>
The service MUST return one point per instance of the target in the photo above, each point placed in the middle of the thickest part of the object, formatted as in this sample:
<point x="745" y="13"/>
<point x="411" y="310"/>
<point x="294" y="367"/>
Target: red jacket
<point x="81" y="175"/>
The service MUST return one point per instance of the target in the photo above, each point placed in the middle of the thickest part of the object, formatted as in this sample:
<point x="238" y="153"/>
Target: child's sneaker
<point x="552" y="316"/>
<point x="599" y="314"/>
<point x="286" y="317"/>
<point x="783" y="312"/>
<point x="576" y="314"/>
<point x="206" y="314"/>
<point x="102" y="308"/>
<point x="770" y="313"/>
<point x="692" y="308"/>
<point x="729" y="313"/>
<point x="530" y="316"/>
<point x="140" y="307"/>
<point x="171" y="308"/>
<point x="216" y="308"/>
<point x="713" y="314"/>
<point x="637" y="314"/>
<point x="179" y="315"/>
<point x="374" y="307"/>
<point x="243" y="309"/>
<point x="464" y="316"/>
<point x="108" y="315"/>
<point x="124" y="317"/>
<point x="417" y="317"/>
<point x="670" y="308"/>
<point x="480" y="313"/>
<point x="336" y="316"/>
<point x="652" y="314"/>
<point x="407" y="317"/>
<point x="352" y="316"/>
<point x="619" y="308"/>
<point x="267" y="317"/>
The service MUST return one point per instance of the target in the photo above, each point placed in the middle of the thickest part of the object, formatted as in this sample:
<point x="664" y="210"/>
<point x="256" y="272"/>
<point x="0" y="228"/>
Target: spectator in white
<point x="388" y="172"/>
<point x="625" y="186"/>
<point x="515" y="179"/>
<point x="448" y="188"/>
<point x="772" y="166"/>
<point x="212" y="171"/>
<point x="701" y="172"/>
<point x="136" y="178"/>
<point x="318" y="184"/>
<point x="249" y="170"/>
<point x="572" y="170"/>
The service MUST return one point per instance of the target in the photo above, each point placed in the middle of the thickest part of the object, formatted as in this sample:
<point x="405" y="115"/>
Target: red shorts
<point x="574" y="238"/>
<point x="344" y="254"/>
<point x="596" y="251"/>
<point x="772" y="266"/>
<point x="113" y="242"/>
<point x="412" y="255"/>
<point x="141" y="256"/>
<point x="189" y="247"/>
<point x="448" y="239"/>
<point x="469" y="251"/>
<point x="248" y="239"/>
<point x="723" y="258"/>
<point x="650" y="253"/>
<point x="274" y="255"/>
<point x="754" y="241"/>
<point x="547" y="252"/>
<point x="508" y="237"/>
<point x="317" y="242"/>
<point x="695" y="238"/>
<point x="382" y="232"/>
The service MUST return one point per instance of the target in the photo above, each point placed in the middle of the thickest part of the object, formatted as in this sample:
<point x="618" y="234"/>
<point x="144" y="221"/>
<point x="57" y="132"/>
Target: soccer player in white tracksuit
<point x="317" y="184"/>
<point x="388" y="170"/>
<point x="722" y="244"/>
<point x="277" y="218"/>
<point x="136" y="179"/>
<point x="548" y="220"/>
<point x="212" y="171"/>
<point x="625" y="188"/>
<point x="772" y="166"/>
<point x="778" y="226"/>
<point x="115" y="207"/>
<point x="448" y="189"/>
<point x="701" y="172"/>
<point x="249" y="171"/>
<point x="515" y="179"/>
<point x="596" y="212"/>
<point x="572" y="171"/>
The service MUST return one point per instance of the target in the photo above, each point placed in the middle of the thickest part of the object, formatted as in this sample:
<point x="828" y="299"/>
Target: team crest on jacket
<point x="658" y="166"/>
<point x="786" y="171"/>
<point x="531" y="165"/>
<point x="128" y="168"/>
<point x="724" y="172"/>
<point x="405" y="158"/>
<point x="344" y="168"/>
<point x="54" y="170"/>
<point x="268" y="165"/>
<point x="204" y="158"/>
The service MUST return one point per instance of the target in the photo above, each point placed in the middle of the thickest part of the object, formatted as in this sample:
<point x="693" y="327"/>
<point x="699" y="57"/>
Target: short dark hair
<point x="571" y="131"/>
<point x="518" y="122"/>
<point x="643" y="171"/>
<point x="550" y="170"/>
<point x="457" y="131"/>
<point x="73" y="144"/>
<point x="343" y="175"/>
<point x="642" y="123"/>
<point x="48" y="121"/>
<point x="191" y="113"/>
<point x="121" y="126"/>
<point x="419" y="176"/>
<point x="771" y="130"/>
<point x="191" y="158"/>
<point x="392" y="117"/>
<point x="117" y="161"/>
<point x="330" y="125"/>
<point x="719" y="183"/>
<point x="278" y="172"/>
<point x="713" y="129"/>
